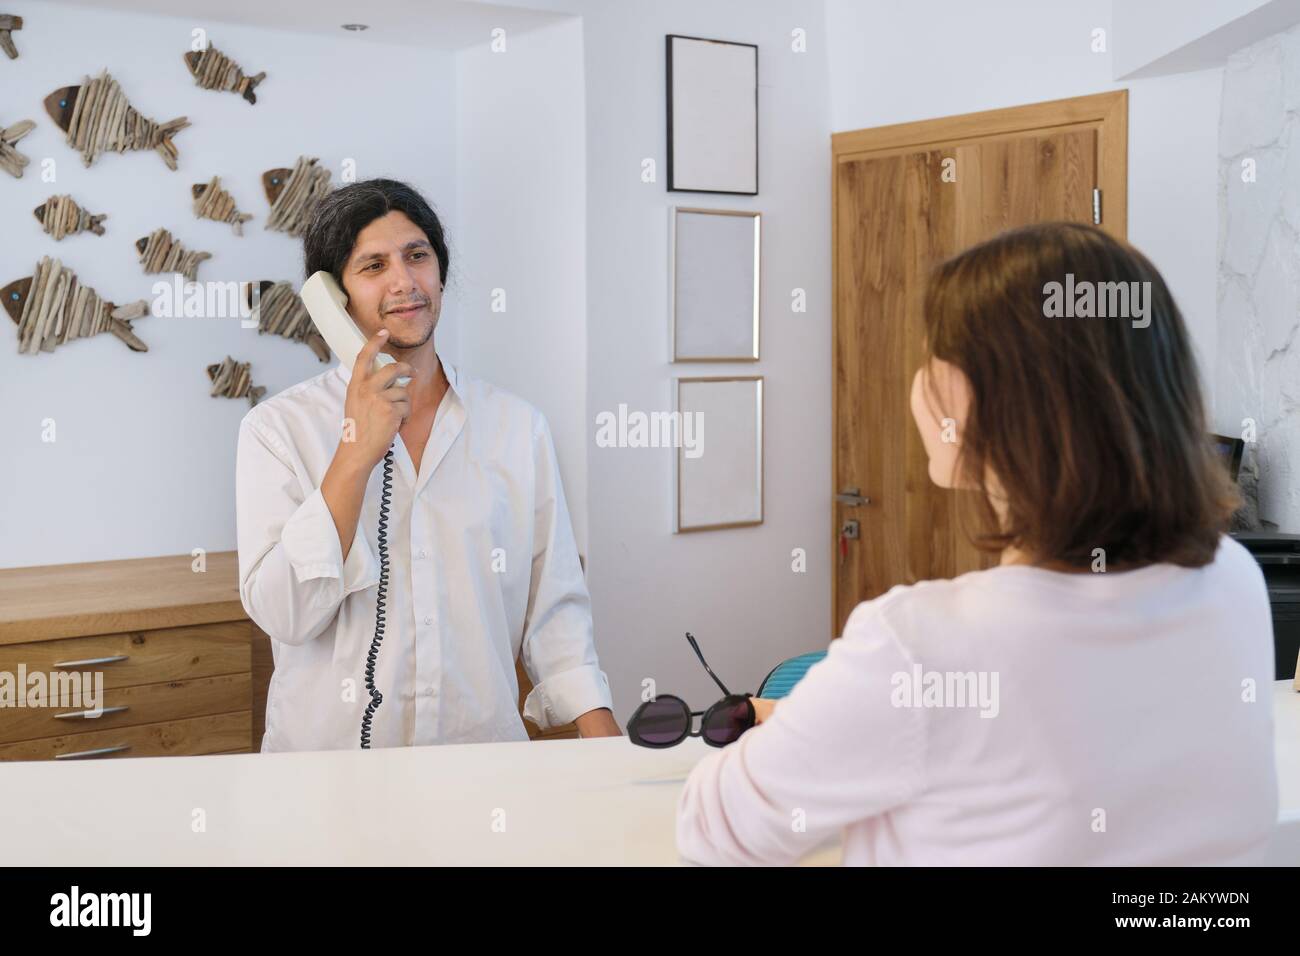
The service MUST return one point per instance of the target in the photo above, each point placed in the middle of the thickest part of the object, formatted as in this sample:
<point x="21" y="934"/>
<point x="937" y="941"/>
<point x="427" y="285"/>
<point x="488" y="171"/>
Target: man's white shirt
<point x="482" y="568"/>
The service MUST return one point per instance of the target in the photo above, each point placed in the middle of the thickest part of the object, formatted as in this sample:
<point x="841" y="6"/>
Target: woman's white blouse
<point x="1017" y="716"/>
<point x="482" y="567"/>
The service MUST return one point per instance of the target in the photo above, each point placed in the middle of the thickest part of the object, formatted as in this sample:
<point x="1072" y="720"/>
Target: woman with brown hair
<point x="1101" y="696"/>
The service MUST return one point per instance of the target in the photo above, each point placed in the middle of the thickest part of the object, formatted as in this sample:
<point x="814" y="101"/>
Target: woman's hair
<point x="1092" y="425"/>
<point x="341" y="215"/>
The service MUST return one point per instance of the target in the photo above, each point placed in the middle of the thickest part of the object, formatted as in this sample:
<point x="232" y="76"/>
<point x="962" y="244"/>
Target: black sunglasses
<point x="668" y="720"/>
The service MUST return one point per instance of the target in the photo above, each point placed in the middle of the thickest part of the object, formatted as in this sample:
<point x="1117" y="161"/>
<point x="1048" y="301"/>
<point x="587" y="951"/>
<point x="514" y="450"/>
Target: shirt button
<point x="428" y="620"/>
<point x="421" y="554"/>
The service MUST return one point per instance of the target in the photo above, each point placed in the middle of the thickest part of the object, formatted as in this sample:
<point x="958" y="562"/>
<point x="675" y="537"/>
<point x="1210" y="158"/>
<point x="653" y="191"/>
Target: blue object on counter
<point x="786" y="674"/>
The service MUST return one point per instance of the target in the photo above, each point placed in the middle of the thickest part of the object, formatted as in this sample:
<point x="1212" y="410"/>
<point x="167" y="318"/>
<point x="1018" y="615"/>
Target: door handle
<point x="850" y="498"/>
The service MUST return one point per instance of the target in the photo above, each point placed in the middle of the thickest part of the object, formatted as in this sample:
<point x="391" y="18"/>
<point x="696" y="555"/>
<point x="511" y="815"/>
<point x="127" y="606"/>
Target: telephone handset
<point x="327" y="305"/>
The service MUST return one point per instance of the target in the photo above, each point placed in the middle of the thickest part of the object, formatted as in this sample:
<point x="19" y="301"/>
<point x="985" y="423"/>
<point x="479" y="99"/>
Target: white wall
<point x="733" y="589"/>
<point x="895" y="62"/>
<point x="144" y="460"/>
<point x="522" y="208"/>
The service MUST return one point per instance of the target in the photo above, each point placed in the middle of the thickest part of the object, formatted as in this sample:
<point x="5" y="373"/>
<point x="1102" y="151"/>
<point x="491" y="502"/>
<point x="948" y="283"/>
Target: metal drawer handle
<point x="90" y="714"/>
<point x="93" y="660"/>
<point x="92" y="753"/>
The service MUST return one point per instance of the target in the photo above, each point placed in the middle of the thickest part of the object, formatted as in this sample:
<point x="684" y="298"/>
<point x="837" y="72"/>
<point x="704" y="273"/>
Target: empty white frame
<point x="713" y="286"/>
<point x="712" y="116"/>
<point x="718" y="473"/>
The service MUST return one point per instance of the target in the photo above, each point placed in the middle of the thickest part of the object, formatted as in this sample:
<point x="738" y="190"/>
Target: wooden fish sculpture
<point x="280" y="311"/>
<point x="12" y="161"/>
<point x="159" y="252"/>
<point x="52" y="307"/>
<point x="294" y="193"/>
<point x="9" y="23"/>
<point x="61" y="216"/>
<point x="213" y="70"/>
<point x="98" y="119"/>
<point x="231" y="379"/>
<point x="213" y="202"/>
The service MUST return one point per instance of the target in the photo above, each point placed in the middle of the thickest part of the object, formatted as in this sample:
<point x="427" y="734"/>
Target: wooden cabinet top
<point x="105" y="597"/>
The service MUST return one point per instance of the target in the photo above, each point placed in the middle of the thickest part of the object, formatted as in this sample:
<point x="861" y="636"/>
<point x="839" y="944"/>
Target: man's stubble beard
<point x="398" y="344"/>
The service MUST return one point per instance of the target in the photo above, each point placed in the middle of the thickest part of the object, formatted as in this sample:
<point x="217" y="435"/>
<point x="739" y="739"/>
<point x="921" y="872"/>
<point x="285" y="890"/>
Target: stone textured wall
<point x="1257" y="369"/>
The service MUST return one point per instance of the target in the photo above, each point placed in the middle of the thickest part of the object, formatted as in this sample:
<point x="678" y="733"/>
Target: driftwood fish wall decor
<point x="52" y="307"/>
<point x="280" y="311"/>
<point x="231" y="379"/>
<point x="12" y="161"/>
<point x="213" y="70"/>
<point x="61" y="216"/>
<point x="294" y="193"/>
<point x="159" y="252"/>
<point x="98" y="119"/>
<point x="9" y="23"/>
<point x="213" y="202"/>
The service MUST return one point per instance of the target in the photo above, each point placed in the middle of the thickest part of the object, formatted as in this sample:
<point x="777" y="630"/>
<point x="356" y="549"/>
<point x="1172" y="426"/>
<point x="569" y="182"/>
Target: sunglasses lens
<point x="726" y="720"/>
<point x="662" y="721"/>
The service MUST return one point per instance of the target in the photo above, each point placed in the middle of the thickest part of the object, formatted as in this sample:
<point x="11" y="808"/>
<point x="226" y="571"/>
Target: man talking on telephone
<point x="482" y="564"/>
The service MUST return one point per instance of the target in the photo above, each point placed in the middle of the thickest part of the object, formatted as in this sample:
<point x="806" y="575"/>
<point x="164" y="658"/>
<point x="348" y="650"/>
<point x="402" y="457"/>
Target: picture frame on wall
<point x="718" y="475"/>
<point x="712" y="115"/>
<point x="715" y="267"/>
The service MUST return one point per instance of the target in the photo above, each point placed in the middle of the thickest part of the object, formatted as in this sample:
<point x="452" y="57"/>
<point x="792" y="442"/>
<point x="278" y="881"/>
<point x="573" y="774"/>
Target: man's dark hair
<point x="342" y="214"/>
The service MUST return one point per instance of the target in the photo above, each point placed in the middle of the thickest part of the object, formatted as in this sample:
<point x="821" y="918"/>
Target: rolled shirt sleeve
<point x="558" y="653"/>
<point x="292" y="574"/>
<point x="834" y="752"/>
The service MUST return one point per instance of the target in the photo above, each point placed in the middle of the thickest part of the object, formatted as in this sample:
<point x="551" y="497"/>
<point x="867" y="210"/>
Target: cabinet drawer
<point x="142" y="704"/>
<point x="141" y="657"/>
<point x="175" y="738"/>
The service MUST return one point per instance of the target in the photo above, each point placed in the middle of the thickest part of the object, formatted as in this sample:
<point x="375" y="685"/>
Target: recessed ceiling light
<point x="355" y="26"/>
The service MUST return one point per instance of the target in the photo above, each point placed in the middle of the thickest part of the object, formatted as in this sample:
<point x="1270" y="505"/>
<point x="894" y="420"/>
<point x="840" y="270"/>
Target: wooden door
<point x="905" y="198"/>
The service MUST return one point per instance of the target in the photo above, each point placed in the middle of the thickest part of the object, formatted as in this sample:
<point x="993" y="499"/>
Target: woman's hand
<point x="762" y="708"/>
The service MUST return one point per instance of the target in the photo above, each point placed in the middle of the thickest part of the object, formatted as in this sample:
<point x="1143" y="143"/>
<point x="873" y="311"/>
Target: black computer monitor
<point x="1230" y="450"/>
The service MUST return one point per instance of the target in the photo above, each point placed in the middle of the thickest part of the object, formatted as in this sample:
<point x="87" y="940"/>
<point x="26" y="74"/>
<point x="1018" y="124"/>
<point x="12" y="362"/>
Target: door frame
<point x="1107" y="113"/>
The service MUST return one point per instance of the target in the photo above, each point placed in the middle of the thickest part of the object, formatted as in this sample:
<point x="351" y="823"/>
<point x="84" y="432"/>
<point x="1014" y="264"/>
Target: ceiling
<point x="430" y="24"/>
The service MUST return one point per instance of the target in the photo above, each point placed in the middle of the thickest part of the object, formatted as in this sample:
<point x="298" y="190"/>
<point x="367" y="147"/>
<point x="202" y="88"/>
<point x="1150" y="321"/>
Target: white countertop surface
<point x="563" y="802"/>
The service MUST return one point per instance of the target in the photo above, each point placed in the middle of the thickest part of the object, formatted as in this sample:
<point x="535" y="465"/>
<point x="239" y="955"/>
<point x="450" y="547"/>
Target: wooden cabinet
<point x="184" y="670"/>
<point x="167" y="637"/>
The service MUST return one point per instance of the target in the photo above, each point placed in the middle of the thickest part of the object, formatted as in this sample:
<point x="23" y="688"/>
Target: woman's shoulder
<point x="935" y="596"/>
<point x="1235" y="558"/>
<point x="908" y="610"/>
<point x="1004" y="594"/>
